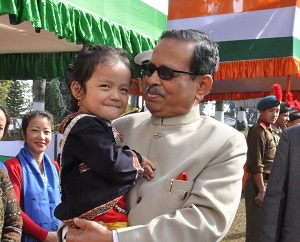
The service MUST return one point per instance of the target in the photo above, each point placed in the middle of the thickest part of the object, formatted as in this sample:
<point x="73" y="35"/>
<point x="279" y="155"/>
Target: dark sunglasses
<point x="164" y="73"/>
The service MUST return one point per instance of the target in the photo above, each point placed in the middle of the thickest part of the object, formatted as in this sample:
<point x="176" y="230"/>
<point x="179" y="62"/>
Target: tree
<point x="66" y="94"/>
<point x="208" y="108"/>
<point x="4" y="88"/>
<point x="230" y="109"/>
<point x="252" y="115"/>
<point x="38" y="93"/>
<point x="17" y="101"/>
<point x="54" y="102"/>
<point x="242" y="124"/>
<point x="202" y="108"/>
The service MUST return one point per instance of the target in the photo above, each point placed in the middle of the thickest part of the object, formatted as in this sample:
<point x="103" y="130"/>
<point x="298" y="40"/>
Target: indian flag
<point x="257" y="38"/>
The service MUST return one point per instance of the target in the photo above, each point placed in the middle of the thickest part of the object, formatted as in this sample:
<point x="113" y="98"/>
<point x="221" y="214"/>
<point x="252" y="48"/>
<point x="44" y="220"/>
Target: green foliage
<point x="202" y="108"/>
<point x="241" y="126"/>
<point x="17" y="101"/>
<point x="4" y="88"/>
<point x="219" y="105"/>
<point x="54" y="102"/>
<point x="66" y="93"/>
<point x="230" y="110"/>
<point x="252" y="115"/>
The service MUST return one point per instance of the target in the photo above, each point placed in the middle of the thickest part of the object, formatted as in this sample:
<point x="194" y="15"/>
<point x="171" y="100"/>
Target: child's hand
<point x="148" y="168"/>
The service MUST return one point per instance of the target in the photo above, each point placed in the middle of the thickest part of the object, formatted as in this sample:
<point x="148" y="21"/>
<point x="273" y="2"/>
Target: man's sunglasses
<point x="164" y="73"/>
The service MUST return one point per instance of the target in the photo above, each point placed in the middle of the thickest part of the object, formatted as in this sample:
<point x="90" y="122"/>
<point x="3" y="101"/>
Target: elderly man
<point x="199" y="161"/>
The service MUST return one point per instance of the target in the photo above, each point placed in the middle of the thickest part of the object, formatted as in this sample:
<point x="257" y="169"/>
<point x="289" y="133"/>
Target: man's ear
<point x="76" y="90"/>
<point x="203" y="86"/>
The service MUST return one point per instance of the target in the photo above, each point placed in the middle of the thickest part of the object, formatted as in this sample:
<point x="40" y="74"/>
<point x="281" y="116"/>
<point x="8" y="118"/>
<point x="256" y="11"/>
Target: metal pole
<point x="55" y="146"/>
<point x="288" y="84"/>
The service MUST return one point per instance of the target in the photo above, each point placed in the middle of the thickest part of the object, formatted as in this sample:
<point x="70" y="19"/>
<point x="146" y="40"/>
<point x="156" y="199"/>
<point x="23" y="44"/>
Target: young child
<point x="96" y="172"/>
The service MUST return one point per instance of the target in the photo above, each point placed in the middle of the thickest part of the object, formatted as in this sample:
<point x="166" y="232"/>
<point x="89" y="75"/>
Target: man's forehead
<point x="284" y="114"/>
<point x="276" y="108"/>
<point x="173" y="50"/>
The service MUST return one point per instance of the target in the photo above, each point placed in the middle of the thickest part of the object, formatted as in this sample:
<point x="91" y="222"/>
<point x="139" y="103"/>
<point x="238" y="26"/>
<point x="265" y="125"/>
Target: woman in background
<point x="10" y="216"/>
<point x="4" y="124"/>
<point x="35" y="178"/>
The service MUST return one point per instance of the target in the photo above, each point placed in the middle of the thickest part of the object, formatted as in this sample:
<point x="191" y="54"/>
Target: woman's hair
<point x="32" y="114"/>
<point x="7" y="119"/>
<point x="87" y="60"/>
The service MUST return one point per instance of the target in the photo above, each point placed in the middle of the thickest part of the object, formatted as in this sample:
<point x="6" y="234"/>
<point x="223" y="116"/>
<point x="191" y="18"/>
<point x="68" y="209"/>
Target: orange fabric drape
<point x="244" y="95"/>
<point x="136" y="90"/>
<point x="277" y="67"/>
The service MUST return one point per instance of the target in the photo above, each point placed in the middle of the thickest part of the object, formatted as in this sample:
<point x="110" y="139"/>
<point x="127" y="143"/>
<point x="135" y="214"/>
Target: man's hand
<point x="88" y="231"/>
<point x="259" y="199"/>
<point x="259" y="181"/>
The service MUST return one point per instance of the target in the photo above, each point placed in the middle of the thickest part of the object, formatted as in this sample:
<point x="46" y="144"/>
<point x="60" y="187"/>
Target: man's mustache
<point x="154" y="89"/>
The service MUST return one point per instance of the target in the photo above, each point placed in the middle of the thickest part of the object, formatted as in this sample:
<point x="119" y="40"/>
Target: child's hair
<point x="88" y="58"/>
<point x="32" y="114"/>
<point x="7" y="119"/>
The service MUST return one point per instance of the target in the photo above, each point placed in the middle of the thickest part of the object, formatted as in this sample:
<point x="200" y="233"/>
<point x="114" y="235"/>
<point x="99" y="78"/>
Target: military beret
<point x="268" y="102"/>
<point x="294" y="115"/>
<point x="143" y="56"/>
<point x="284" y="108"/>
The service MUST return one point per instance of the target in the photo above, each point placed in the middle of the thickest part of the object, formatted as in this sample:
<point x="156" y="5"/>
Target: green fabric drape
<point x="66" y="21"/>
<point x="34" y="66"/>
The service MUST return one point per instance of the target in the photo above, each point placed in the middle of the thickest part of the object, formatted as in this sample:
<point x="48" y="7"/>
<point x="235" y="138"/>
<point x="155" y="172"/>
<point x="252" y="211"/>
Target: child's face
<point x="107" y="91"/>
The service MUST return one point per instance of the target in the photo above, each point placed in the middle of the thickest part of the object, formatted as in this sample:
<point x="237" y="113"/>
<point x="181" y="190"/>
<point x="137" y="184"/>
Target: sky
<point x="161" y="5"/>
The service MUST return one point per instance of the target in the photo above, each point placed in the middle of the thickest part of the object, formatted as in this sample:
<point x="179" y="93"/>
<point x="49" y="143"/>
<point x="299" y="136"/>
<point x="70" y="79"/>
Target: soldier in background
<point x="141" y="59"/>
<point x="260" y="155"/>
<point x="282" y="121"/>
<point x="294" y="117"/>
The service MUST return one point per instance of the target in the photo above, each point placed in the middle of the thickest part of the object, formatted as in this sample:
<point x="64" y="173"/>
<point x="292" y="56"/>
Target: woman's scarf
<point x="41" y="193"/>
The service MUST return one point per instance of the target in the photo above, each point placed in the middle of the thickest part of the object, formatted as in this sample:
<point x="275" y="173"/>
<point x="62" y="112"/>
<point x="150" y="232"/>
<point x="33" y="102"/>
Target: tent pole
<point x="288" y="84"/>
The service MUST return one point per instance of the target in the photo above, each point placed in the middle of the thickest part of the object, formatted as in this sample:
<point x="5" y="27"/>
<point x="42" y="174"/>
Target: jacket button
<point x="139" y="200"/>
<point x="157" y="135"/>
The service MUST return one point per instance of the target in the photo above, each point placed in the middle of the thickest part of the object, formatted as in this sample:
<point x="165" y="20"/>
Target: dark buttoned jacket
<point x="108" y="170"/>
<point x="281" y="208"/>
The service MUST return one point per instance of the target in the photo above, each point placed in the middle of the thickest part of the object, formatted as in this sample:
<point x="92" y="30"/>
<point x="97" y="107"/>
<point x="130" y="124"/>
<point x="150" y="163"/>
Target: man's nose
<point x="154" y="78"/>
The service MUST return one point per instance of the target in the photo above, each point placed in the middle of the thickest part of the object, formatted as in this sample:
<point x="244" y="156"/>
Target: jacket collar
<point x="190" y="117"/>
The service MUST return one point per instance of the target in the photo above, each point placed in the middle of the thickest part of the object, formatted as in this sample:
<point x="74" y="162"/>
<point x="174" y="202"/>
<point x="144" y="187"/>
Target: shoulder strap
<point x="263" y="125"/>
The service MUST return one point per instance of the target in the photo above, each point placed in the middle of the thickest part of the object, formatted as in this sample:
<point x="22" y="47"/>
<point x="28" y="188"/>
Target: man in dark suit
<point x="281" y="210"/>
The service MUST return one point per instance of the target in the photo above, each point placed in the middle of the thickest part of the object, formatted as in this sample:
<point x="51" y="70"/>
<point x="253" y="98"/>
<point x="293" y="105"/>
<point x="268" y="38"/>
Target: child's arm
<point x="146" y="164"/>
<point x="148" y="168"/>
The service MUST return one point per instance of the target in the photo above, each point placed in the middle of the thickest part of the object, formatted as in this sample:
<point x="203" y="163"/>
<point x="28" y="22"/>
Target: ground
<point x="238" y="228"/>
